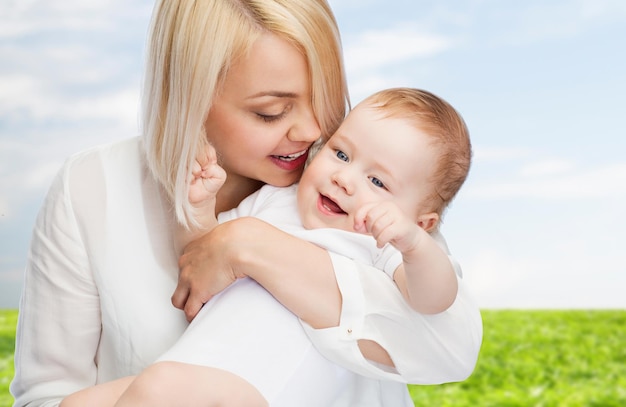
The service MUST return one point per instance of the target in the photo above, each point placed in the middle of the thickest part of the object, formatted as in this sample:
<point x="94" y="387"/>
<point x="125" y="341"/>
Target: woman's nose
<point x="306" y="128"/>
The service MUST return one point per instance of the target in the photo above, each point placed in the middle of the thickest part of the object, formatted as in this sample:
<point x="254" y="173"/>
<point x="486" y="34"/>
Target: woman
<point x="102" y="262"/>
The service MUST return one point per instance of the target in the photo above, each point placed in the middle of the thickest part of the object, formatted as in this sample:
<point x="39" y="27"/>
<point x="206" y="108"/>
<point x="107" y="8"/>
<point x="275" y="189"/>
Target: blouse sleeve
<point x="426" y="349"/>
<point x="59" y="317"/>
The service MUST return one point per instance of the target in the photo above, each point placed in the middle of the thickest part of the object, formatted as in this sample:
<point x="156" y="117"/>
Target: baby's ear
<point x="428" y="221"/>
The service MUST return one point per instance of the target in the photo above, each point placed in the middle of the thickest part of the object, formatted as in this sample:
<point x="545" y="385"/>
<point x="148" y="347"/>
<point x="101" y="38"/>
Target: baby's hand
<point x="206" y="177"/>
<point x="387" y="224"/>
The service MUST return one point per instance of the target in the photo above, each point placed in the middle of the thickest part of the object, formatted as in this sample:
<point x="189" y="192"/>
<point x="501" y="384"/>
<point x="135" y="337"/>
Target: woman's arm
<point x="59" y="318"/>
<point x="353" y="313"/>
<point x="298" y="273"/>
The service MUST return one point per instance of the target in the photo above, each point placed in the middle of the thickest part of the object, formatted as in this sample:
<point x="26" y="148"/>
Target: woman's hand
<point x="205" y="270"/>
<point x="297" y="273"/>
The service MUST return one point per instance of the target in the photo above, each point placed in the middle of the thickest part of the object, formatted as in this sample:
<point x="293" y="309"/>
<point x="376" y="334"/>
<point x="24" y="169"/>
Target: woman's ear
<point x="428" y="221"/>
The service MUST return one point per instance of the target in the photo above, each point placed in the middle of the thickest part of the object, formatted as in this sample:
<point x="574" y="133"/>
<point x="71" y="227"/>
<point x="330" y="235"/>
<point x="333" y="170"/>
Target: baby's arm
<point x="205" y="179"/>
<point x="426" y="276"/>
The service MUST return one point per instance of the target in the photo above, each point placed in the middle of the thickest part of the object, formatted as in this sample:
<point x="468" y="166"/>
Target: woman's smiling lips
<point x="328" y="206"/>
<point x="291" y="162"/>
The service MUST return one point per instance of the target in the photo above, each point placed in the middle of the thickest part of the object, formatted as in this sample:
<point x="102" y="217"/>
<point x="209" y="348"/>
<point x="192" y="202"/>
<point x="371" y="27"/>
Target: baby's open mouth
<point x="330" y="205"/>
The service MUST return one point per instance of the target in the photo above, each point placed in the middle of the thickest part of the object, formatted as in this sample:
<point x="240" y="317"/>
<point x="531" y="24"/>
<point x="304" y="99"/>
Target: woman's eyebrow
<point x="274" y="93"/>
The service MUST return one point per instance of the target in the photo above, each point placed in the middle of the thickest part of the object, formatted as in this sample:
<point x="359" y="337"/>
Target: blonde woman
<point x="259" y="80"/>
<point x="388" y="173"/>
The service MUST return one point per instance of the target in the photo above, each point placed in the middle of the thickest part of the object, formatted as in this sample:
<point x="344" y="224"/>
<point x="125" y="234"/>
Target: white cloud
<point x="603" y="182"/>
<point x="119" y="107"/>
<point x="368" y="83"/>
<point x="24" y="94"/>
<point x="547" y="167"/>
<point x="376" y="49"/>
<point x="565" y="19"/>
<point x="40" y="26"/>
<point x="373" y="57"/>
<point x="26" y="175"/>
<point x="62" y="76"/>
<point x="491" y="276"/>
<point x="21" y="91"/>
<point x="39" y="177"/>
<point x="27" y="17"/>
<point x="603" y="10"/>
<point x="490" y="154"/>
<point x="569" y="278"/>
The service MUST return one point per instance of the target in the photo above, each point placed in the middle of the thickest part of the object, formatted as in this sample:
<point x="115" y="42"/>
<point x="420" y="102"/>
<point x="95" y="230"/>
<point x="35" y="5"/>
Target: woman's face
<point x="262" y="123"/>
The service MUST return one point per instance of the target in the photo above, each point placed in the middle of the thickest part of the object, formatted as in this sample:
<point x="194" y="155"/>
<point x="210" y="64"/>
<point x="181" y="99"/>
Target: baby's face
<point x="369" y="159"/>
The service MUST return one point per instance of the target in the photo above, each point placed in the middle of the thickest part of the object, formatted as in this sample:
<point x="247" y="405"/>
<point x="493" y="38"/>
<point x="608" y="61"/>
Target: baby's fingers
<point x="205" y="158"/>
<point x="213" y="178"/>
<point x="360" y="218"/>
<point x="211" y="154"/>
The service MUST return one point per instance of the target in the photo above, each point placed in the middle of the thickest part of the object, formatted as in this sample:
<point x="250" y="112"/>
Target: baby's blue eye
<point x="342" y="156"/>
<point x="377" y="182"/>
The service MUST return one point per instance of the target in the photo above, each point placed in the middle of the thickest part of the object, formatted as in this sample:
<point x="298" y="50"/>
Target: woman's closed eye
<point x="273" y="111"/>
<point x="269" y="118"/>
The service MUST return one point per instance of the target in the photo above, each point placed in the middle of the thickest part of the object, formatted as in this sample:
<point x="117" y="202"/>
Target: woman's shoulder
<point x="87" y="174"/>
<point x="116" y="151"/>
<point x="113" y="160"/>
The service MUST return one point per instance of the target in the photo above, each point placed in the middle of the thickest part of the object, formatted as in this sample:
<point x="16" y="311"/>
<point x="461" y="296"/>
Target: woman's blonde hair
<point x="447" y="131"/>
<point x="192" y="44"/>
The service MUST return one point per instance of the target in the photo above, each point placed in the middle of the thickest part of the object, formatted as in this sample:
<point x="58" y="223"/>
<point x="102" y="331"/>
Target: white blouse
<point x="102" y="267"/>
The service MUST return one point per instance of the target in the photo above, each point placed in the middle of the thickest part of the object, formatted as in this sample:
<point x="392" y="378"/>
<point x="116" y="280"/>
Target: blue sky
<point x="541" y="84"/>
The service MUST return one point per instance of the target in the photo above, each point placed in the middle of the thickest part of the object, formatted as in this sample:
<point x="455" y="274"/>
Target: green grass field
<point x="528" y="358"/>
<point x="8" y="320"/>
